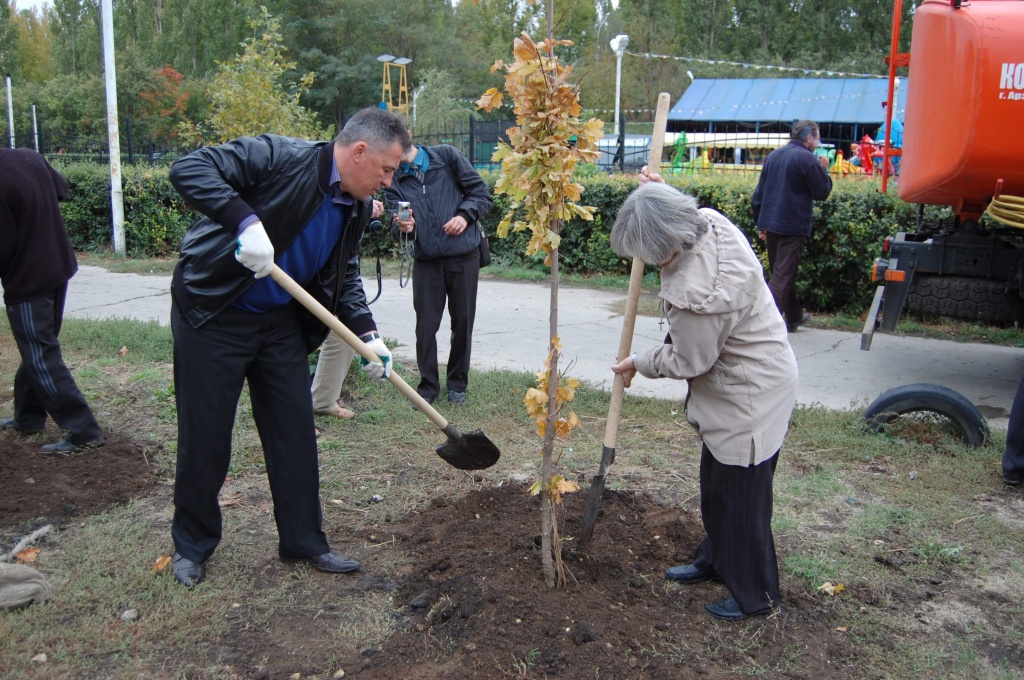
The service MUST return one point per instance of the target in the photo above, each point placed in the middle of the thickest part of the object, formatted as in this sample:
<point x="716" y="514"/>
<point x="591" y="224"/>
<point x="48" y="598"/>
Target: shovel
<point x="636" y="275"/>
<point x="465" y="451"/>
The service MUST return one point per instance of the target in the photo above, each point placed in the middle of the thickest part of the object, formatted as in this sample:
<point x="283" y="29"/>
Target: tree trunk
<point x="547" y="511"/>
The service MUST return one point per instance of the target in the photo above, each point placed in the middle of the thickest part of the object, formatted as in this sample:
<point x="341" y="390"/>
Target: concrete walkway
<point x="512" y="328"/>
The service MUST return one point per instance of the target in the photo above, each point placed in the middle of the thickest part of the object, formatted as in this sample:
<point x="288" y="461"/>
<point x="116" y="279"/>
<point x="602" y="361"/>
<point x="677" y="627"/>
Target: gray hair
<point x="803" y="129"/>
<point x="656" y="221"/>
<point x="380" y="130"/>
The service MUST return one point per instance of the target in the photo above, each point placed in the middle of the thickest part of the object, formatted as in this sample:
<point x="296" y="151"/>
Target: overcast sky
<point x="26" y="4"/>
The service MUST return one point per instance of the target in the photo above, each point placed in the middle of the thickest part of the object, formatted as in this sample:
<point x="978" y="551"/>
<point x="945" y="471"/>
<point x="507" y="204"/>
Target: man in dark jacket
<point x="36" y="262"/>
<point x="447" y="197"/>
<point x="304" y="205"/>
<point x="791" y="180"/>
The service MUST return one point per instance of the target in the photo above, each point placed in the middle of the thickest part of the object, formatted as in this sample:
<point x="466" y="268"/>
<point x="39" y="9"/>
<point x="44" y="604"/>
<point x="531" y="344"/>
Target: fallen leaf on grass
<point x="231" y="499"/>
<point x="830" y="588"/>
<point x="27" y="556"/>
<point x="161" y="563"/>
<point x="124" y="350"/>
<point x="841" y="629"/>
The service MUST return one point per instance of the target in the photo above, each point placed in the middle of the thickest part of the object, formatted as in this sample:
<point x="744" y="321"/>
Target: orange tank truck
<point x="964" y="124"/>
<point x="963" y="147"/>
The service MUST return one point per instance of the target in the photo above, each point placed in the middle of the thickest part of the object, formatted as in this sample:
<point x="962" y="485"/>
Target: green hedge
<point x="155" y="216"/>
<point x="848" y="227"/>
<point x="848" y="232"/>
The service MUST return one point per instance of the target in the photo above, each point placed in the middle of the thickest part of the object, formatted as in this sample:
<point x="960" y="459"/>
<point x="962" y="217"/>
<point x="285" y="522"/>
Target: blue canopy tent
<point x="844" y="108"/>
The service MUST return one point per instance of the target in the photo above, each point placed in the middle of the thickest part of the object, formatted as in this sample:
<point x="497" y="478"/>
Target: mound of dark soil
<point x="38" y="488"/>
<point x="473" y="603"/>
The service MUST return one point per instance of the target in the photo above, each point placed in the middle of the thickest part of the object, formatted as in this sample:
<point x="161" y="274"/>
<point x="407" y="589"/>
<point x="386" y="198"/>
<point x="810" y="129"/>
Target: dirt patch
<point x="37" y="488"/>
<point x="469" y="601"/>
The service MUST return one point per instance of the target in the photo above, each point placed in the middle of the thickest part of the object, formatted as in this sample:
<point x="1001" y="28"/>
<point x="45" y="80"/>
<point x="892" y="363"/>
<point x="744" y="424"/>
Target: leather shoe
<point x="804" y="318"/>
<point x="1012" y="480"/>
<point x="687" y="573"/>
<point x="730" y="610"/>
<point x="66" y="446"/>
<point x="331" y="562"/>
<point x="456" y="398"/>
<point x="186" y="572"/>
<point x="12" y="424"/>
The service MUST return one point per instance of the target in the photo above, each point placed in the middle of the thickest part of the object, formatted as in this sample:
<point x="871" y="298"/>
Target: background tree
<point x="35" y="45"/>
<point x="252" y="95"/>
<point x="10" y="57"/>
<point x="440" y="104"/>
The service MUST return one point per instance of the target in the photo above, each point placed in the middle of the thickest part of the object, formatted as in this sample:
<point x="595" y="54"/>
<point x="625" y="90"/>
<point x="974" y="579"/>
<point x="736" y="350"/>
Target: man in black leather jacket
<point x="447" y="197"/>
<point x="302" y="205"/>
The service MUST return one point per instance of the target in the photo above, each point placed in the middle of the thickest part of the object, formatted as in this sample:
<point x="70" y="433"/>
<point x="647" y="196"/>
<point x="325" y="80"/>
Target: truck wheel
<point x="930" y="407"/>
<point x="965" y="298"/>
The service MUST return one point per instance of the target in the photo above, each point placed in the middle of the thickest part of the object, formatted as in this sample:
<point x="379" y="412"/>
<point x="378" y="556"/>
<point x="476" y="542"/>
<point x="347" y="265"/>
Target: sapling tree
<point x="537" y="175"/>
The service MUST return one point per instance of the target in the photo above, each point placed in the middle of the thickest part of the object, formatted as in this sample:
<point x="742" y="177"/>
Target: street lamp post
<point x="618" y="44"/>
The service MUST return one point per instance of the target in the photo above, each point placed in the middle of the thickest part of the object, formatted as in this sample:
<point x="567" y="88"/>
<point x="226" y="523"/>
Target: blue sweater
<point x="791" y="180"/>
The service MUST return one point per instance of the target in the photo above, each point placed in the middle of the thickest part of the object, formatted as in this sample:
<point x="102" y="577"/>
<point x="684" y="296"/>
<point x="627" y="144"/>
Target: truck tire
<point x="923" y="399"/>
<point x="965" y="298"/>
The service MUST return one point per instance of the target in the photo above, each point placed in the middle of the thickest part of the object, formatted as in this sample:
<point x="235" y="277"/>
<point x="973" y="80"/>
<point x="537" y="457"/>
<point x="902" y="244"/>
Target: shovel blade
<point x="592" y="508"/>
<point x="468" y="451"/>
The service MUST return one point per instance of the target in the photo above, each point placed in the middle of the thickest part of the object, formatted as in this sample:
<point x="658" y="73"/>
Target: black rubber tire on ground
<point x="965" y="298"/>
<point x="924" y="398"/>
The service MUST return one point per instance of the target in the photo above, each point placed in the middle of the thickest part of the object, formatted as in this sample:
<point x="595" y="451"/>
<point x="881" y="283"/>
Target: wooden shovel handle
<point x="335" y="324"/>
<point x="636" y="275"/>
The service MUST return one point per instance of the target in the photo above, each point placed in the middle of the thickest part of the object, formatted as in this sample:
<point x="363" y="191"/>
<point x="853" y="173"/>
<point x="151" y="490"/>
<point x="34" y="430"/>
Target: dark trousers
<point x="736" y="505"/>
<point x="432" y="284"/>
<point x="43" y="383"/>
<point x="211" y="364"/>
<point x="784" y="253"/>
<point x="1013" y="458"/>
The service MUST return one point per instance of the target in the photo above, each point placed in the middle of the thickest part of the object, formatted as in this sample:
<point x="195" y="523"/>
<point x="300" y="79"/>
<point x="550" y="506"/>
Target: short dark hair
<point x="803" y="129"/>
<point x="380" y="130"/>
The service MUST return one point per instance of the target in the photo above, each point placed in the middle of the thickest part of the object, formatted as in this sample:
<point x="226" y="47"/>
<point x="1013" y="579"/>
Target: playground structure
<point x="387" y="96"/>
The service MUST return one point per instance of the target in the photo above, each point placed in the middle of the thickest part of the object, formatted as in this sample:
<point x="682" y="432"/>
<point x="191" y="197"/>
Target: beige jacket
<point x="729" y="341"/>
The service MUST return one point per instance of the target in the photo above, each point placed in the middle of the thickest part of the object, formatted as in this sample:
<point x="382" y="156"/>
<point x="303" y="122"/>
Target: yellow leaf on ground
<point x="830" y="588"/>
<point x="161" y="563"/>
<point x="123" y="350"/>
<point x="27" y="556"/>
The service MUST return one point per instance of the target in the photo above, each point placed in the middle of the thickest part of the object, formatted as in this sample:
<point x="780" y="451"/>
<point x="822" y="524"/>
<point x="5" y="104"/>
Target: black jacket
<point x="791" y="180"/>
<point x="283" y="181"/>
<point x="35" y="252"/>
<point x="451" y="186"/>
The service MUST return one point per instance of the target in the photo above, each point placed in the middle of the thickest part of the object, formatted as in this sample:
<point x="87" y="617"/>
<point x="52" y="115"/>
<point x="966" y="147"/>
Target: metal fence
<point x="685" y="152"/>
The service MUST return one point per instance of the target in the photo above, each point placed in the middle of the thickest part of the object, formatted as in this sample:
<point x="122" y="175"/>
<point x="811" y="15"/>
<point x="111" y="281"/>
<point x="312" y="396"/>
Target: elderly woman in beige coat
<point x="729" y="342"/>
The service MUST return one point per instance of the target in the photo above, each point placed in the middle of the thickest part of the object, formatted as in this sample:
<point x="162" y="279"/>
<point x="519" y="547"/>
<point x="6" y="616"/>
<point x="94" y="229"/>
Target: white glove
<point x="377" y="371"/>
<point x="255" y="251"/>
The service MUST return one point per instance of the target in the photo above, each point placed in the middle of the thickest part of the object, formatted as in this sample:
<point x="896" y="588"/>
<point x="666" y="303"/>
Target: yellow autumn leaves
<point x="537" y="165"/>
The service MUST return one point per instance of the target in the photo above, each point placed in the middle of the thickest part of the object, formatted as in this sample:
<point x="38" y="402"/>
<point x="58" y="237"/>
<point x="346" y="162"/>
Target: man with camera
<point x="445" y="198"/>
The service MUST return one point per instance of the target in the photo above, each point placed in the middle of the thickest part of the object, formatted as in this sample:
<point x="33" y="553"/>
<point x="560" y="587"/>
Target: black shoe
<point x="1012" y="480"/>
<point x="186" y="572"/>
<point x="687" y="573"/>
<point x="330" y="562"/>
<point x="456" y="398"/>
<point x="12" y="425"/>
<point x="791" y="327"/>
<point x="730" y="610"/>
<point x="66" y="446"/>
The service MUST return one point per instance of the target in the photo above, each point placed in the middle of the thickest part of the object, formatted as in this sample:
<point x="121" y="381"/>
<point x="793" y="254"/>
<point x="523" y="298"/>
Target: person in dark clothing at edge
<point x="36" y="263"/>
<point x="447" y="197"/>
<point x="792" y="178"/>
<point x="305" y="205"/>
